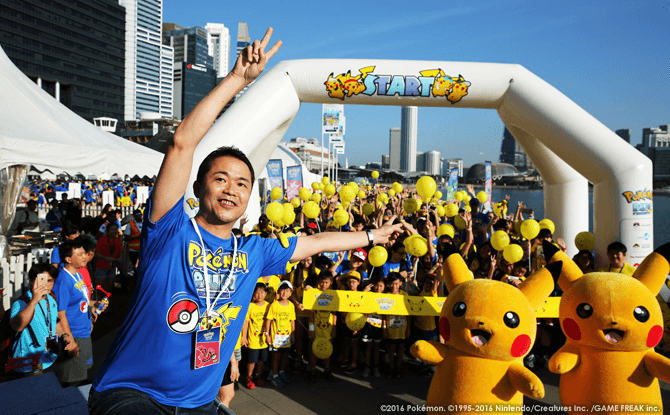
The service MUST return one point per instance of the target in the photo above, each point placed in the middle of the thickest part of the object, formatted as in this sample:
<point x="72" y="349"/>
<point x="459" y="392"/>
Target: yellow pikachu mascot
<point x="488" y="326"/>
<point x="612" y="322"/>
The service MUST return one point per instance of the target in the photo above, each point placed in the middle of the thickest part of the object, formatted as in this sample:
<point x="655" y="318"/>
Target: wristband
<point x="311" y="326"/>
<point x="371" y="238"/>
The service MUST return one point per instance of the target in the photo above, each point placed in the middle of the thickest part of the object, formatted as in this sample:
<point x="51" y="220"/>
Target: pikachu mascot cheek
<point x="488" y="326"/>
<point x="612" y="323"/>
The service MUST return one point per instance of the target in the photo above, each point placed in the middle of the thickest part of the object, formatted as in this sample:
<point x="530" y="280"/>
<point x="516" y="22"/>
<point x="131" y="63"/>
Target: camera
<point x="53" y="346"/>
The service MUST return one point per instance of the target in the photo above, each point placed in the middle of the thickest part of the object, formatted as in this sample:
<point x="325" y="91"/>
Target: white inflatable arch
<point x="567" y="145"/>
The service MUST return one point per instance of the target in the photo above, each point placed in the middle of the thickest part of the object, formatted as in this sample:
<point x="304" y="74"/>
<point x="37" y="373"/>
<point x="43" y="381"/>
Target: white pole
<point x="322" y="155"/>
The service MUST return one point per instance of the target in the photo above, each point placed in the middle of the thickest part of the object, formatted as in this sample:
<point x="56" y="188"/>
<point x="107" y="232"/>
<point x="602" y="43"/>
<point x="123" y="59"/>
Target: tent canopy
<point x="37" y="130"/>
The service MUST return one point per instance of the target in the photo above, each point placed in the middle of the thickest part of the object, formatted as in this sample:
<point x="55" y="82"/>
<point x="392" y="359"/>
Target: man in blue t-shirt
<point x="398" y="262"/>
<point x="195" y="279"/>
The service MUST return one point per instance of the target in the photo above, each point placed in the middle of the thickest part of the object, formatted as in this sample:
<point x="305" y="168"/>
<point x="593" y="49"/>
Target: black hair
<point x="261" y="285"/>
<point x="69" y="229"/>
<point x="617" y="247"/>
<point x="226" y="151"/>
<point x="359" y="221"/>
<point x="322" y="262"/>
<point x="501" y="224"/>
<point x="396" y="246"/>
<point x="299" y="275"/>
<point x="237" y="232"/>
<point x="68" y="248"/>
<point x="325" y="275"/>
<point x="40" y="268"/>
<point x="393" y="276"/>
<point x="544" y="233"/>
<point x="86" y="243"/>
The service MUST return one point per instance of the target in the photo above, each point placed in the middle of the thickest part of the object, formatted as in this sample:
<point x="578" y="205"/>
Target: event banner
<point x="331" y="122"/>
<point x="488" y="186"/>
<point x="293" y="181"/>
<point x="275" y="174"/>
<point x="393" y="304"/>
<point x="452" y="184"/>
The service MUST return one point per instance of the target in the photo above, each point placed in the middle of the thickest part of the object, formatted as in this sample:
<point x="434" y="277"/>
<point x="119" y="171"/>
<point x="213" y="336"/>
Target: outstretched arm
<point x="525" y="381"/>
<point x="430" y="352"/>
<point x="657" y="365"/>
<point x="341" y="241"/>
<point x="175" y="171"/>
<point x="564" y="360"/>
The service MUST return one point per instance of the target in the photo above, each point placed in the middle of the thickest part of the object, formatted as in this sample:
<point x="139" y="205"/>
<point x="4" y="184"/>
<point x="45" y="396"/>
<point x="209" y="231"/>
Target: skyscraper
<point x="431" y="162"/>
<point x="420" y="165"/>
<point x="394" y="148"/>
<point x="408" y="138"/>
<point x="512" y="153"/>
<point x="72" y="49"/>
<point x="624" y="133"/>
<point x="190" y="45"/>
<point x="149" y="63"/>
<point x="218" y="41"/>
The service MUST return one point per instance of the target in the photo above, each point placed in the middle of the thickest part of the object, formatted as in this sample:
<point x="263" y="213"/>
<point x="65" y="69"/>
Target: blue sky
<point x="611" y="58"/>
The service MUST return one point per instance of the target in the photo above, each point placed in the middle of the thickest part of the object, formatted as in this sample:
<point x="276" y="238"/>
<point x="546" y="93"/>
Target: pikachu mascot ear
<point x="570" y="271"/>
<point x="455" y="271"/>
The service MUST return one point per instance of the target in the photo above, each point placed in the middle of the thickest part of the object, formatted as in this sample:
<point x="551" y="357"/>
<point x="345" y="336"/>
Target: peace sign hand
<point x="251" y="61"/>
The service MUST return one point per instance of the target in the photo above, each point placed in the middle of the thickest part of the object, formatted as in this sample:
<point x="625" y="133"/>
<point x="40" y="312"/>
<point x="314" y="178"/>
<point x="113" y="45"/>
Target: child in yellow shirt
<point x="279" y="328"/>
<point x="321" y="325"/>
<point x="253" y="337"/>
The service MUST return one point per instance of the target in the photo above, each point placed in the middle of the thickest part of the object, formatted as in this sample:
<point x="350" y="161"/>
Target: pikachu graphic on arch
<point x="446" y="86"/>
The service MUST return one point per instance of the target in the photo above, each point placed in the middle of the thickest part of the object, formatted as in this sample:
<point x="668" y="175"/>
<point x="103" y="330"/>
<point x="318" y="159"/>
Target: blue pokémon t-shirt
<point x="72" y="297"/>
<point x="343" y="268"/>
<point x="395" y="267"/>
<point x="153" y="349"/>
<point x="24" y="345"/>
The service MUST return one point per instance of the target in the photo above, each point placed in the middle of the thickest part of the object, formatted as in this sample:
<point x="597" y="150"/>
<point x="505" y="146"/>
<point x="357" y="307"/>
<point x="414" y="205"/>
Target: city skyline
<point x="571" y="46"/>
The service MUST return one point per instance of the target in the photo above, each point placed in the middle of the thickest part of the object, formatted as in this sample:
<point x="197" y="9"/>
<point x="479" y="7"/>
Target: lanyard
<point x="620" y="271"/>
<point x="210" y="308"/>
<point x="47" y="315"/>
<point x="84" y="290"/>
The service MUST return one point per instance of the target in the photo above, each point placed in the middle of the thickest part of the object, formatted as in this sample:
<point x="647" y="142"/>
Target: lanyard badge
<point x="207" y="342"/>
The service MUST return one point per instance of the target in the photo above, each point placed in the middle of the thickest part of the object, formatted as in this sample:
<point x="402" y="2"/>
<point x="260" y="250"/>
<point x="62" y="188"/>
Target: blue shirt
<point x="153" y="350"/>
<point x="343" y="268"/>
<point x="24" y="345"/>
<point x="395" y="267"/>
<point x="55" y="255"/>
<point x="72" y="297"/>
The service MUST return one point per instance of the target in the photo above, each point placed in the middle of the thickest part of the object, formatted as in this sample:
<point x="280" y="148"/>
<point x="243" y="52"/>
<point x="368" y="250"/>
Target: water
<point x="534" y="199"/>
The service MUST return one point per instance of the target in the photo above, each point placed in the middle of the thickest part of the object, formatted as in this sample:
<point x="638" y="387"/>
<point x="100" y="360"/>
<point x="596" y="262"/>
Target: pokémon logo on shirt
<point x="429" y="83"/>
<point x="219" y="264"/>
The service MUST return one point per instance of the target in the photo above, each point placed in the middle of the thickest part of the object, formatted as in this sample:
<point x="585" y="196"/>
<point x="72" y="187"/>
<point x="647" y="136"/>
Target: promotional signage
<point x="293" y="181"/>
<point x="275" y="174"/>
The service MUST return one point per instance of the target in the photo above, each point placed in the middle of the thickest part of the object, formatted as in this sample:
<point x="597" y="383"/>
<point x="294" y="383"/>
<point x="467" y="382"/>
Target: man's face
<point x="225" y="192"/>
<point x="398" y="255"/>
<point x="79" y="258"/>
<point x="617" y="259"/>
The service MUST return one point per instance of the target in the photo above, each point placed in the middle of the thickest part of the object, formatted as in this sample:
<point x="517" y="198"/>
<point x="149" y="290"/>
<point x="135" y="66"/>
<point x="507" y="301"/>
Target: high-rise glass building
<point x="218" y="42"/>
<point x="73" y="49"/>
<point x="394" y="148"/>
<point x="512" y="153"/>
<point x="148" y="87"/>
<point x="190" y="45"/>
<point x="408" y="138"/>
<point x="243" y="40"/>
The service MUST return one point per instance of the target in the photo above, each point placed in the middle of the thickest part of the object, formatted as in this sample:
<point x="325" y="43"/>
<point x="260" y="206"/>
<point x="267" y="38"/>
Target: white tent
<point x="37" y="130"/>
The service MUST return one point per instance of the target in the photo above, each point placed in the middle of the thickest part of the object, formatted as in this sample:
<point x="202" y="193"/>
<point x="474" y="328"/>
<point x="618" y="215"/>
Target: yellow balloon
<point x="325" y="180"/>
<point x="316" y="197"/>
<point x="289" y="217"/>
<point x="329" y="190"/>
<point x="451" y="210"/>
<point x="288" y="206"/>
<point x="355" y="321"/>
<point x="585" y="241"/>
<point x="482" y="197"/>
<point x="347" y="194"/>
<point x="345" y="204"/>
<point x="391" y="192"/>
<point x="440" y="211"/>
<point x="322" y="186"/>
<point x="437" y="195"/>
<point x="513" y="253"/>
<point x="276" y="193"/>
<point x="378" y="256"/>
<point x="426" y="187"/>
<point x="499" y="240"/>
<point x="304" y="193"/>
<point x="445" y="229"/>
<point x="458" y="196"/>
<point x="467" y="198"/>
<point x="361" y="194"/>
<point x="341" y="217"/>
<point x="354" y="186"/>
<point x="547" y="224"/>
<point x="418" y="246"/>
<point x="397" y="187"/>
<point x="322" y="348"/>
<point x="410" y="206"/>
<point x="315" y="186"/>
<point x="363" y="181"/>
<point x="311" y="209"/>
<point x="368" y="209"/>
<point x="460" y="222"/>
<point x="274" y="211"/>
<point x="375" y="174"/>
<point x="295" y="202"/>
<point x="467" y="208"/>
<point x="383" y="197"/>
<point x="530" y="228"/>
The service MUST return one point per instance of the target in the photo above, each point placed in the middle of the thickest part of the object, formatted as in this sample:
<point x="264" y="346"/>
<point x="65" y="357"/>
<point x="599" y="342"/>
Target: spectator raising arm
<point x="176" y="168"/>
